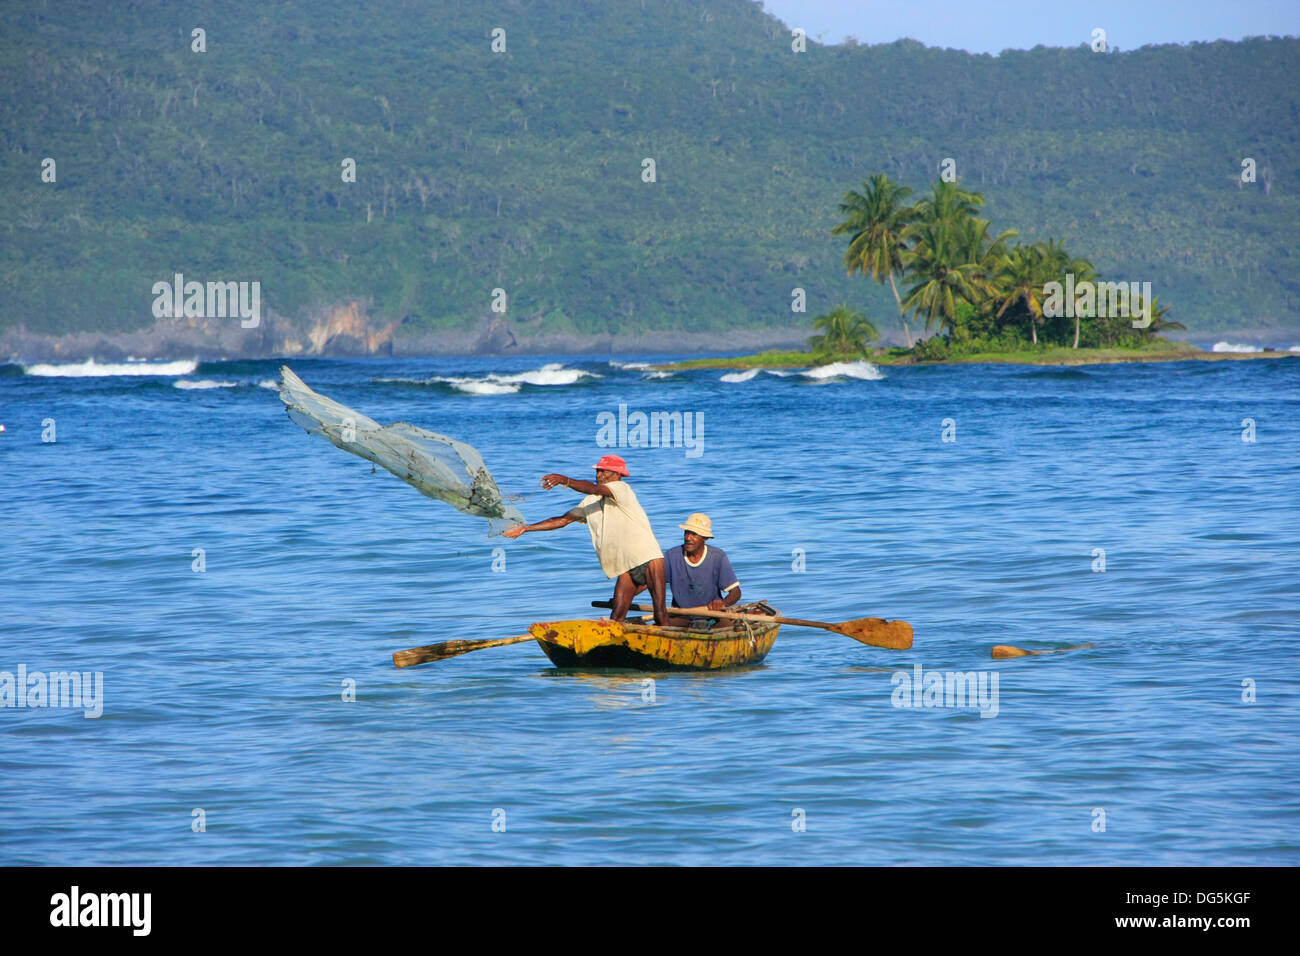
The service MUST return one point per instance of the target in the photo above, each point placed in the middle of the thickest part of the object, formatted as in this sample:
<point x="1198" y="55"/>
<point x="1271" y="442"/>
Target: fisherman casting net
<point x="436" y="465"/>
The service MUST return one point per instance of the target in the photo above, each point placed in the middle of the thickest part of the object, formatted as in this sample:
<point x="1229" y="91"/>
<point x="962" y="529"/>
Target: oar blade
<point x="876" y="631"/>
<point x="433" y="652"/>
<point x="446" y="649"/>
<point x="1004" y="651"/>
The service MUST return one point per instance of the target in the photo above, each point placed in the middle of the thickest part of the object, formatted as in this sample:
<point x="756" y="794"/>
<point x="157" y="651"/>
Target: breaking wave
<point x="473" y="386"/>
<point x="862" y="370"/>
<point x="552" y="374"/>
<point x="822" y="373"/>
<point x="647" y="369"/>
<point x="91" y="368"/>
<point x="1230" y="347"/>
<point x="501" y="384"/>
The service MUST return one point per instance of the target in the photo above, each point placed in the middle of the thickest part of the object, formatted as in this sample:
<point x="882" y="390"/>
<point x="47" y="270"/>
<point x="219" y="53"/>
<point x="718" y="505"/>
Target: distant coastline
<point x="348" y="330"/>
<point x="1165" y="352"/>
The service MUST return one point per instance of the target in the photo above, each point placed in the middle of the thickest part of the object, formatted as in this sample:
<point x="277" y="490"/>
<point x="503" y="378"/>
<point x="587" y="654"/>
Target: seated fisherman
<point x="700" y="576"/>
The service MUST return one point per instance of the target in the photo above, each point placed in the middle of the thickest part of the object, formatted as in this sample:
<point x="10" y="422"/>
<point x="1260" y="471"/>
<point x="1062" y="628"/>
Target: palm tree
<point x="1024" y="273"/>
<point x="954" y="258"/>
<point x="1020" y="281"/>
<point x="975" y="244"/>
<point x="877" y="223"/>
<point x="1083" y="272"/>
<point x="942" y="276"/>
<point x="844" y="332"/>
<point x="1158" y="323"/>
<point x="948" y="203"/>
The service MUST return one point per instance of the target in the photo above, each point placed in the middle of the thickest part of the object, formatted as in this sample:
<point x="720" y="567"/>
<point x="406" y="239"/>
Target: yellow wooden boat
<point x="647" y="647"/>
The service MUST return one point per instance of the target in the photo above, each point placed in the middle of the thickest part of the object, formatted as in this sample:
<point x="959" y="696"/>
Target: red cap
<point x="612" y="463"/>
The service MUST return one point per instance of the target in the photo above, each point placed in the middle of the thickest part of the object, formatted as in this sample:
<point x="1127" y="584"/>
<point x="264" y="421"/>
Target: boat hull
<point x="609" y="644"/>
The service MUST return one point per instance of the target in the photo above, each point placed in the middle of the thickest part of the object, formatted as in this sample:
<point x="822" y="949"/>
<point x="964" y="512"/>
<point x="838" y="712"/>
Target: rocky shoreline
<point x="348" y="330"/>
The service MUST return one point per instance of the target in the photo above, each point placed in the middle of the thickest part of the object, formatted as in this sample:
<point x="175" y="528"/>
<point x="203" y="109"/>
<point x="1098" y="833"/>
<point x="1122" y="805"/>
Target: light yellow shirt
<point x="620" y="530"/>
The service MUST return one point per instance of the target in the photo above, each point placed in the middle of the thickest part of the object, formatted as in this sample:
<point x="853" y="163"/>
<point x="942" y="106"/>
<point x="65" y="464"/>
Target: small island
<point x="1162" y="350"/>
<point x="984" y="299"/>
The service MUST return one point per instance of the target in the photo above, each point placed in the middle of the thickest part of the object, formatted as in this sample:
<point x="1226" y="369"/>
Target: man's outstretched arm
<point x="550" y="524"/>
<point x="577" y="484"/>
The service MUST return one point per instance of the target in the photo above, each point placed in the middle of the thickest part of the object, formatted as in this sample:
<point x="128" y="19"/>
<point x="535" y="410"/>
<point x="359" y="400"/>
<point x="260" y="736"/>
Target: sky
<point x="990" y="26"/>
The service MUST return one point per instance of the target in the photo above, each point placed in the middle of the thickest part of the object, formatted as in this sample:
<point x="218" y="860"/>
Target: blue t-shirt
<point x="697" y="586"/>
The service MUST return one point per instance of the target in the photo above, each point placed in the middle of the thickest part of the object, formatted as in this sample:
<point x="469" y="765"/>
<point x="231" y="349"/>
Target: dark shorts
<point x="638" y="574"/>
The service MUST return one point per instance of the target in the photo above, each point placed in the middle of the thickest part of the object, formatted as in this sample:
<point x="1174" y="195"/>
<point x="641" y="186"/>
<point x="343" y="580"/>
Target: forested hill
<point x="523" y="170"/>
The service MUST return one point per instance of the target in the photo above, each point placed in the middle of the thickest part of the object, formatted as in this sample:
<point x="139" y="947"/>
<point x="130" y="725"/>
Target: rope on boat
<point x="758" y="607"/>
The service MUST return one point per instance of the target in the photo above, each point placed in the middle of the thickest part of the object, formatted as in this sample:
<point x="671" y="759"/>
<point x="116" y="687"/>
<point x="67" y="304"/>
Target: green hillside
<point x="522" y="169"/>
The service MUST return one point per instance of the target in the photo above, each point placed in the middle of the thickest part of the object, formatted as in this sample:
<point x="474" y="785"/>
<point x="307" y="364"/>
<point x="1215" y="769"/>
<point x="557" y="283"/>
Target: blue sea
<point x="240" y="586"/>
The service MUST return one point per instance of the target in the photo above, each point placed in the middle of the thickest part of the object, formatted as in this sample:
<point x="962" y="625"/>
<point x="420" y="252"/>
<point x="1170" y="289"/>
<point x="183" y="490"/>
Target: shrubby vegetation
<point x="521" y="170"/>
<point x="843" y="334"/>
<point x="980" y="292"/>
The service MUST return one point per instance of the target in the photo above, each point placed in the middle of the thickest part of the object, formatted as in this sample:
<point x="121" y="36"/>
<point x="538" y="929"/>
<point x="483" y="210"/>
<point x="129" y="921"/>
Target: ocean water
<point x="225" y="736"/>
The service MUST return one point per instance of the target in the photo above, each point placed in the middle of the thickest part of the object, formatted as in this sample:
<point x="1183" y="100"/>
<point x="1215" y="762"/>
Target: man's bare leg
<point x="625" y="589"/>
<point x="657" y="578"/>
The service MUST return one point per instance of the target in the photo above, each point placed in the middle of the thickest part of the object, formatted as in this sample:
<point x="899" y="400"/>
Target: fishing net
<point x="436" y="465"/>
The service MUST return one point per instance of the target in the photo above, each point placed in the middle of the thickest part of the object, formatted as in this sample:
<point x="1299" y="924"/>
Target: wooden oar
<point x="1002" y="651"/>
<point x="440" y="652"/>
<point x="876" y="631"/>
